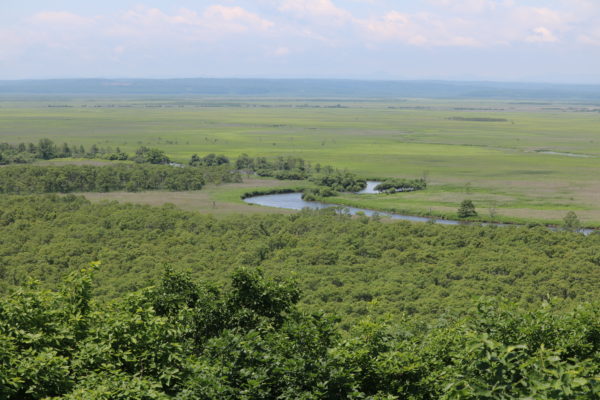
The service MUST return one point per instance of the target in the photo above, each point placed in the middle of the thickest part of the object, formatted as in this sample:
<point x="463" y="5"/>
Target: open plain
<point x="518" y="161"/>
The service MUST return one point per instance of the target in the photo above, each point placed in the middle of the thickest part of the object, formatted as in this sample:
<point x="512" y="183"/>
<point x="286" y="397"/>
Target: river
<point x="293" y="201"/>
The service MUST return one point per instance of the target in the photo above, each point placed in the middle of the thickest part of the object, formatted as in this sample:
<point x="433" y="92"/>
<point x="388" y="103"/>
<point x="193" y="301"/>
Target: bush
<point x="401" y="185"/>
<point x="184" y="340"/>
<point x="466" y="209"/>
<point x="571" y="222"/>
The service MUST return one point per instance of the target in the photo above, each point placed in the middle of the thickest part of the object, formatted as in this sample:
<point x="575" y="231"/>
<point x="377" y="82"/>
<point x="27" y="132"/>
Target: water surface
<point x="293" y="201"/>
<point x="370" y="188"/>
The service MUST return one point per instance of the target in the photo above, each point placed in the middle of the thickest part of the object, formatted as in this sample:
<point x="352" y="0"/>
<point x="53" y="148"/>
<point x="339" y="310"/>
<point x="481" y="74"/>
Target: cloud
<point x="235" y="17"/>
<point x="11" y="44"/>
<point x="443" y="23"/>
<point x="215" y="20"/>
<point x="417" y="30"/>
<point x="541" y="35"/>
<point x="591" y="37"/>
<point x="394" y="26"/>
<point x="281" y="51"/>
<point x="320" y="9"/>
<point x="467" y="6"/>
<point x="60" y="18"/>
<point x="236" y="33"/>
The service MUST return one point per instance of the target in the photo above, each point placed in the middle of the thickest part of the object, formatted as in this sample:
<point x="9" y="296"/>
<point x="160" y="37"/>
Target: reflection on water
<point x="370" y="189"/>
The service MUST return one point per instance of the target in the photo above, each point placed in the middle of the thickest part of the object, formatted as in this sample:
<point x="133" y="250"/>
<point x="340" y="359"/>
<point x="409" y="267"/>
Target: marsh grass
<point x="215" y="199"/>
<point x="456" y="143"/>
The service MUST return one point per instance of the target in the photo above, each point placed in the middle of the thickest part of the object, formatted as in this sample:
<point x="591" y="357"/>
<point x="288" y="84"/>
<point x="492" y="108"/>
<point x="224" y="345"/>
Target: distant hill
<point x="302" y="88"/>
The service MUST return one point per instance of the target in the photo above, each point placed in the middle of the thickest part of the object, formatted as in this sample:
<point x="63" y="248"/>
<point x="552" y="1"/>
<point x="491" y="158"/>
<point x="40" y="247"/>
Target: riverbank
<point x="492" y="206"/>
<point x="294" y="201"/>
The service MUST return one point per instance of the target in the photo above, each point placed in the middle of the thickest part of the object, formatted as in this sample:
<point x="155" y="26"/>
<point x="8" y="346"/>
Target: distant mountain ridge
<point x="302" y="88"/>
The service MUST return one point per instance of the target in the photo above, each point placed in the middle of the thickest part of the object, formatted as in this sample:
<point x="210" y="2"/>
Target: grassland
<point x="486" y="151"/>
<point x="215" y="199"/>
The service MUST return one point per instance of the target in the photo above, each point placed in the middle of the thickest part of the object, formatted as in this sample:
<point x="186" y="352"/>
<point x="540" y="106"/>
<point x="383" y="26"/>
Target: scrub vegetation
<point x="182" y="339"/>
<point x="346" y="266"/>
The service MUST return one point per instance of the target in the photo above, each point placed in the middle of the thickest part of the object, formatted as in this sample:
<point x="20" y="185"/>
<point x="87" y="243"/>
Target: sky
<point x="554" y="41"/>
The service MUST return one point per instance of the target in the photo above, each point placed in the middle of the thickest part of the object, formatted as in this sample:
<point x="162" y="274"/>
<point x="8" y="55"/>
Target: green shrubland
<point x="181" y="339"/>
<point x="344" y="265"/>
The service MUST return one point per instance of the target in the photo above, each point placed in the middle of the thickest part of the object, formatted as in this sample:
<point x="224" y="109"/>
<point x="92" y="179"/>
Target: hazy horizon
<point x="298" y="78"/>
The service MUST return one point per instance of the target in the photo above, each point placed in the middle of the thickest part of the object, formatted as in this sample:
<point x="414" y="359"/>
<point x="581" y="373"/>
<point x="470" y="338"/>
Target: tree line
<point x="27" y="179"/>
<point x="329" y="179"/>
<point x="46" y="149"/>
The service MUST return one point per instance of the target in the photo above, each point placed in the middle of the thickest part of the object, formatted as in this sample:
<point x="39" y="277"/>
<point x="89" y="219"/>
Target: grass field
<point x="214" y="199"/>
<point x="490" y="152"/>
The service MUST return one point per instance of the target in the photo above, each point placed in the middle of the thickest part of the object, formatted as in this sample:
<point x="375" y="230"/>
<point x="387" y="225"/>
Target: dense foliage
<point x="280" y="167"/>
<point x="183" y="340"/>
<point x="340" y="181"/>
<point x="344" y="265"/>
<point x="571" y="222"/>
<point x="401" y="185"/>
<point x="316" y="193"/>
<point x="46" y="149"/>
<point x="466" y="209"/>
<point x="330" y="180"/>
<point x="151" y="156"/>
<point x="86" y="178"/>
<point x="210" y="160"/>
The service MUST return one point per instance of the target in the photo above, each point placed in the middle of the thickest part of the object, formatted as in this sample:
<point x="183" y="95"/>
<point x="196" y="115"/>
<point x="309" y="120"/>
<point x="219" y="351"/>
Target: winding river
<point x="293" y="201"/>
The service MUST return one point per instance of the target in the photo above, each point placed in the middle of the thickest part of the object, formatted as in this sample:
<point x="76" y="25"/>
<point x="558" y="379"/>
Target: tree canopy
<point x="25" y="179"/>
<point x="180" y="339"/>
<point x="344" y="265"/>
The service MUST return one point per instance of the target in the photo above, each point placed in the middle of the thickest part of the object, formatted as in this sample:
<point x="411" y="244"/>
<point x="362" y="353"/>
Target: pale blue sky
<point x="504" y="40"/>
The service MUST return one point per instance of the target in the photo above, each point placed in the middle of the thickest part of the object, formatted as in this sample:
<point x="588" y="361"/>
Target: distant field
<point x="488" y="151"/>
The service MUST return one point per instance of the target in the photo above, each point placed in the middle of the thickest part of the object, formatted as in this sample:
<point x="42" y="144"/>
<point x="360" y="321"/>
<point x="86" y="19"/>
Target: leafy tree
<point x="65" y="151"/>
<point x="210" y="160"/>
<point x="341" y="181"/>
<point x="195" y="160"/>
<point x="46" y="149"/>
<point x="466" y="209"/>
<point x="571" y="222"/>
<point x="94" y="149"/>
<point x="156" y="156"/>
<point x="186" y="340"/>
<point x="401" y="185"/>
<point x="244" y="162"/>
